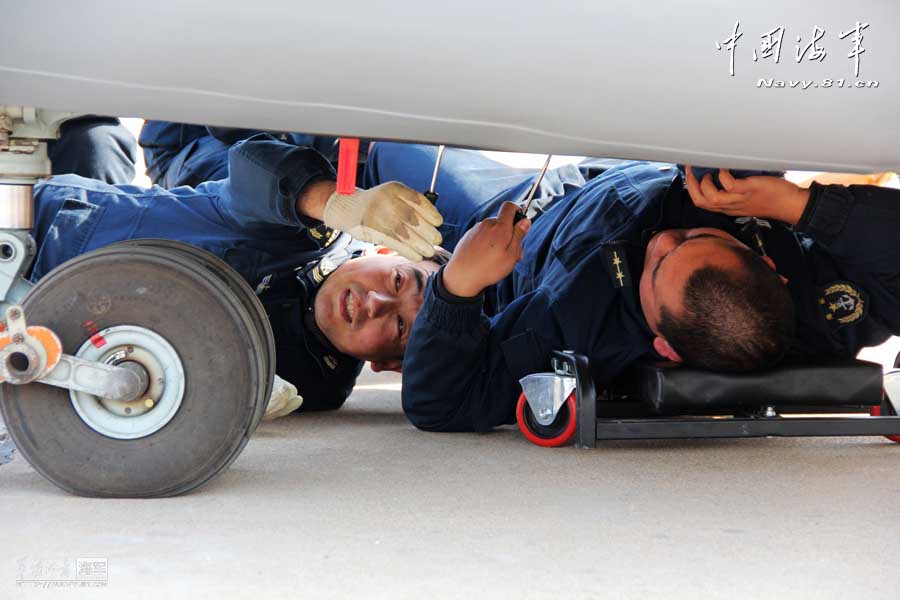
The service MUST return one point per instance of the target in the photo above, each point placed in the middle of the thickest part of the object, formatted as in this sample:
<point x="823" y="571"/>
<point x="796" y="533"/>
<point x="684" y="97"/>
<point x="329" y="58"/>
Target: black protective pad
<point x="671" y="389"/>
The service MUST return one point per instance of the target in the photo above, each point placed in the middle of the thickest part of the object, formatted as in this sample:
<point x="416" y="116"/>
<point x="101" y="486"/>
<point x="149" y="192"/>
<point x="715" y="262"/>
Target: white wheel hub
<point x="159" y="403"/>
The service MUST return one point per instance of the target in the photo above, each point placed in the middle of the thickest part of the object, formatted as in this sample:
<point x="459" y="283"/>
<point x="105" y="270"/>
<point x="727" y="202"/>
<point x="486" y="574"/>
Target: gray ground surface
<point x="360" y="504"/>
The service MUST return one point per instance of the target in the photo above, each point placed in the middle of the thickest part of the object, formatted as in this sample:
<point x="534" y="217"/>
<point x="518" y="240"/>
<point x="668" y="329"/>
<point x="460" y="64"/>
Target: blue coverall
<point x="179" y="154"/>
<point x="95" y="147"/>
<point x="248" y="219"/>
<point x="470" y="186"/>
<point x="576" y="288"/>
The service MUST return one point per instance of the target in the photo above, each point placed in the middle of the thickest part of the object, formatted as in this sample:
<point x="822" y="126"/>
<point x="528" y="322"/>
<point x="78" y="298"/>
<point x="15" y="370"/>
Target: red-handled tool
<point x="348" y="155"/>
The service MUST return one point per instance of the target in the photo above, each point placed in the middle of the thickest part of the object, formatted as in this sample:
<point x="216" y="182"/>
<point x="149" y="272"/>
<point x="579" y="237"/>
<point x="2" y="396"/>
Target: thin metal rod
<point x="437" y="166"/>
<point x="534" y="188"/>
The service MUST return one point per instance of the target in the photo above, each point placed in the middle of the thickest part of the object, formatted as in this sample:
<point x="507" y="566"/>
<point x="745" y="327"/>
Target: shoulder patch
<point x="842" y="303"/>
<point x="616" y="263"/>
<point x="323" y="235"/>
<point x="323" y="270"/>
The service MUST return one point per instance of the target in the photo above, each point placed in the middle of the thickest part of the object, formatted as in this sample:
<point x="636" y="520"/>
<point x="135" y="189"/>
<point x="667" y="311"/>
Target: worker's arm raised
<point x="274" y="183"/>
<point x="266" y="177"/>
<point x="487" y="253"/>
<point x="758" y="196"/>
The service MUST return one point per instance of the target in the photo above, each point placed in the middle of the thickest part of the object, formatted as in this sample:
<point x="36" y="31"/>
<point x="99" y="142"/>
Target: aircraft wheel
<point x="191" y="333"/>
<point x="558" y="433"/>
<point x="242" y="291"/>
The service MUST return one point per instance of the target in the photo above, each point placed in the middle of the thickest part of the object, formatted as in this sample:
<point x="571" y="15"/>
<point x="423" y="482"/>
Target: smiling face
<point x="367" y="306"/>
<point x="672" y="257"/>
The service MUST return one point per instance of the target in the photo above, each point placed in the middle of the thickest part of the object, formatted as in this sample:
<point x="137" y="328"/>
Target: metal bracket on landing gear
<point x="26" y="353"/>
<point x="17" y="250"/>
<point x="121" y="384"/>
<point x="34" y="354"/>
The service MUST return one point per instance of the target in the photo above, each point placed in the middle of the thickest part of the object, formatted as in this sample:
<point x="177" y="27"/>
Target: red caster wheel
<point x="558" y="433"/>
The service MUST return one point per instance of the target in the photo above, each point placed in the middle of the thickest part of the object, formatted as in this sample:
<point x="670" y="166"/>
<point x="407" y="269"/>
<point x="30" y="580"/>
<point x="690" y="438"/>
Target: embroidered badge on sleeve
<point x="842" y="303"/>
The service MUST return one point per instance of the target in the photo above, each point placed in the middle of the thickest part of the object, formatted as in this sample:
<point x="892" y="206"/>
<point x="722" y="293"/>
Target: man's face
<point x="368" y="305"/>
<point x="672" y="256"/>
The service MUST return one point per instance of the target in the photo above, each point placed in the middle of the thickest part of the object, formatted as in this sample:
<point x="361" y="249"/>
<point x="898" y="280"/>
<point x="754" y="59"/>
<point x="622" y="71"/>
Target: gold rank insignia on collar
<point x="842" y="303"/>
<point x="330" y="361"/>
<point x="323" y="270"/>
<point x="616" y="263"/>
<point x="323" y="235"/>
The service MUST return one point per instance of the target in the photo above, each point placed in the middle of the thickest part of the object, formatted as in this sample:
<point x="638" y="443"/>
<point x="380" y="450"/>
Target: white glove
<point x="283" y="401"/>
<point x="390" y="214"/>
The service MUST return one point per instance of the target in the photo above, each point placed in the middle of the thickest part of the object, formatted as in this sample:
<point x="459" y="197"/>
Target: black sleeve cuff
<point x="826" y="212"/>
<point x="441" y="292"/>
<point x="461" y="316"/>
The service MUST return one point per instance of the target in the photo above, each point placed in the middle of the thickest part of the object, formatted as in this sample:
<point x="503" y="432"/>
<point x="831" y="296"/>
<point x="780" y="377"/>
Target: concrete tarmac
<point x="358" y="503"/>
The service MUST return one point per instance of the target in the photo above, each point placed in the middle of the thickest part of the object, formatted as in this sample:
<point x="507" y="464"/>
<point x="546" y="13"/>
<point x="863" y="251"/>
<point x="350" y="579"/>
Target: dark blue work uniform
<point x="179" y="154"/>
<point x="95" y="147"/>
<point x="248" y="219"/>
<point x="576" y="288"/>
<point x="470" y="186"/>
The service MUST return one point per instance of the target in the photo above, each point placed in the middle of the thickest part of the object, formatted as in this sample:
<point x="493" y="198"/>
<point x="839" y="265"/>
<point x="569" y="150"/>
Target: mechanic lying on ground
<point x="627" y="267"/>
<point x="258" y="219"/>
<point x="266" y="221"/>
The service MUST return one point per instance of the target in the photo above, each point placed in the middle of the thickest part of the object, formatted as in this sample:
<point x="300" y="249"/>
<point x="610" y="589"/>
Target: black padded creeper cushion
<point x="672" y="389"/>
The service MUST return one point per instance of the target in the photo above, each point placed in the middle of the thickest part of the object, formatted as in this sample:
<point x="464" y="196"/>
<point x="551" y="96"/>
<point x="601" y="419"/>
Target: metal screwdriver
<point x="520" y="214"/>
<point x="430" y="194"/>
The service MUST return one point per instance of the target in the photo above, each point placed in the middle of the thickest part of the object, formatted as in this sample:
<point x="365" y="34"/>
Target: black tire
<point x="241" y="289"/>
<point x="216" y="340"/>
<point x="194" y="257"/>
